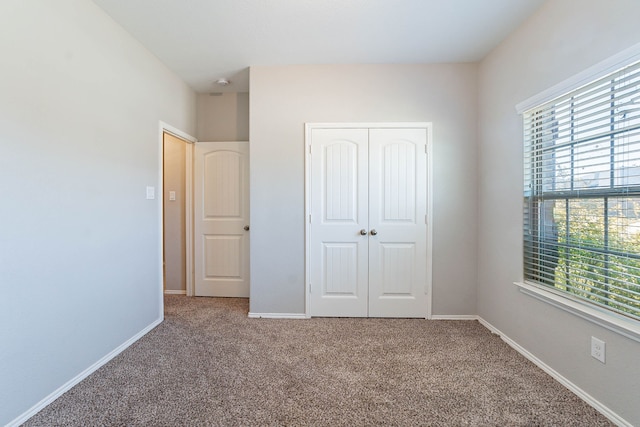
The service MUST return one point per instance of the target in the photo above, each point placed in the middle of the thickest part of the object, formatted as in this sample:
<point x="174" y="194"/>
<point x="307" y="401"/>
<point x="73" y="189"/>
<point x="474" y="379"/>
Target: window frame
<point x="611" y="320"/>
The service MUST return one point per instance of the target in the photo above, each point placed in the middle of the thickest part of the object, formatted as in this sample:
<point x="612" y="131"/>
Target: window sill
<point x="618" y="324"/>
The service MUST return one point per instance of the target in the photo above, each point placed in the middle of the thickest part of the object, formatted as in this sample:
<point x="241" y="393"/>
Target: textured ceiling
<point x="203" y="40"/>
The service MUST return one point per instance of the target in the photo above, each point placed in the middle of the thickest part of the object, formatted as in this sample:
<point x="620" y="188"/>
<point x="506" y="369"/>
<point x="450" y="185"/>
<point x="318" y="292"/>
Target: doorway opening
<point x="176" y="211"/>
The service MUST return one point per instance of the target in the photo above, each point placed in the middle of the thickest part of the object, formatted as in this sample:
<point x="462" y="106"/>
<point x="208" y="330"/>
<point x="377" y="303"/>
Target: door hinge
<point x="309" y="287"/>
<point x="425" y="220"/>
<point x="309" y="218"/>
<point x="309" y="148"/>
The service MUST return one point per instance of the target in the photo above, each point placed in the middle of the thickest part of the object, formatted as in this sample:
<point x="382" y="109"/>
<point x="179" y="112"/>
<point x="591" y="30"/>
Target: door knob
<point x="246" y="228"/>
<point x="374" y="232"/>
<point x="363" y="232"/>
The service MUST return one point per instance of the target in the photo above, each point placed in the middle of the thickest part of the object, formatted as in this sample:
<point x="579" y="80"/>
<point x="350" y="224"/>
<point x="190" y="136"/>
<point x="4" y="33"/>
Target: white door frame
<point x="190" y="140"/>
<point x="307" y="196"/>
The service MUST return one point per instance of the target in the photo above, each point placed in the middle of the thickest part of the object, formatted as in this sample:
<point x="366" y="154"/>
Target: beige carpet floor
<point x="208" y="364"/>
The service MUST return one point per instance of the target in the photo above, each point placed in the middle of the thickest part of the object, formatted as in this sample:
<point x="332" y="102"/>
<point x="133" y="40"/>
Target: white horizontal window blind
<point x="582" y="193"/>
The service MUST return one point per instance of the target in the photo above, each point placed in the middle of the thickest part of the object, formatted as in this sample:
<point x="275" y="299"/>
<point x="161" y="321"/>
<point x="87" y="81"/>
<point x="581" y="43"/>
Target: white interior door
<point x="339" y="268"/>
<point x="398" y="222"/>
<point x="221" y="214"/>
<point x="368" y="231"/>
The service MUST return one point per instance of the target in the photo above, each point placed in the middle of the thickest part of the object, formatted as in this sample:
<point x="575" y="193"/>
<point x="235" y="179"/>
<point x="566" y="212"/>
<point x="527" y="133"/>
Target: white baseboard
<point x="174" y="292"/>
<point x="82" y="375"/>
<point x="599" y="406"/>
<point x="454" y="317"/>
<point x="277" y="315"/>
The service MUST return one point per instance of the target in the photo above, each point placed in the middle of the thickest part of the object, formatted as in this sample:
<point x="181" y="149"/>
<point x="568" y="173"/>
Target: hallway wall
<point x="174" y="236"/>
<point x="223" y="117"/>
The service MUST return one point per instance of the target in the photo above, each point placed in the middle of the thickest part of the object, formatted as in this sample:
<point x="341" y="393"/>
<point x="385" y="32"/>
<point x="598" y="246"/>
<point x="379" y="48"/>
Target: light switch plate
<point x="151" y="193"/>
<point x="172" y="195"/>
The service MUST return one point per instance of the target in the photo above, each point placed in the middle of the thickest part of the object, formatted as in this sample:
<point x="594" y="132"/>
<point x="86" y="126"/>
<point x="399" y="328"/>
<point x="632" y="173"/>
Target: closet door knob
<point x="374" y="232"/>
<point x="363" y="232"/>
<point x="246" y="228"/>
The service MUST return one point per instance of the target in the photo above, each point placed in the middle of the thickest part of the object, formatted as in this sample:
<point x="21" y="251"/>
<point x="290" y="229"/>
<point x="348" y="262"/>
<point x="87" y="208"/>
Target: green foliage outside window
<point x="596" y="260"/>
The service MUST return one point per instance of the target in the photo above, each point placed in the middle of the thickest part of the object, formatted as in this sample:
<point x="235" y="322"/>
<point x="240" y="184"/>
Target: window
<point x="582" y="193"/>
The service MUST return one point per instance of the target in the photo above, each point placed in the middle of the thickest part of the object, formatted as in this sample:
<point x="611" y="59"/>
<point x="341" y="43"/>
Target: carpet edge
<point x="592" y="401"/>
<point x="81" y="376"/>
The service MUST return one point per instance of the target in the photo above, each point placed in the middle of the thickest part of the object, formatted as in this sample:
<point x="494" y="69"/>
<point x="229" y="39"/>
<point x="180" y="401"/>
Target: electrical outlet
<point x="598" y="348"/>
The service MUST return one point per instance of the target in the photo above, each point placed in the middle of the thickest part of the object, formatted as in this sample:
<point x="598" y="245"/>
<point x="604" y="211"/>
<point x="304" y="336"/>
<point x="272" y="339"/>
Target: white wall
<point x="223" y="117"/>
<point x="80" y="105"/>
<point x="283" y="98"/>
<point x="563" y="38"/>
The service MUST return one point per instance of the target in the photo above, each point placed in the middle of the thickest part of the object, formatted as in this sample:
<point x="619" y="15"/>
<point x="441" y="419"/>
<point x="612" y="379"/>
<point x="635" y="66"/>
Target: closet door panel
<point x="338" y="251"/>
<point x="397" y="222"/>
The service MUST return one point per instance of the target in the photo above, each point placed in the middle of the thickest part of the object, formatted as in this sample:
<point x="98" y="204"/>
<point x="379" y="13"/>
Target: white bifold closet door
<point x="368" y="233"/>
